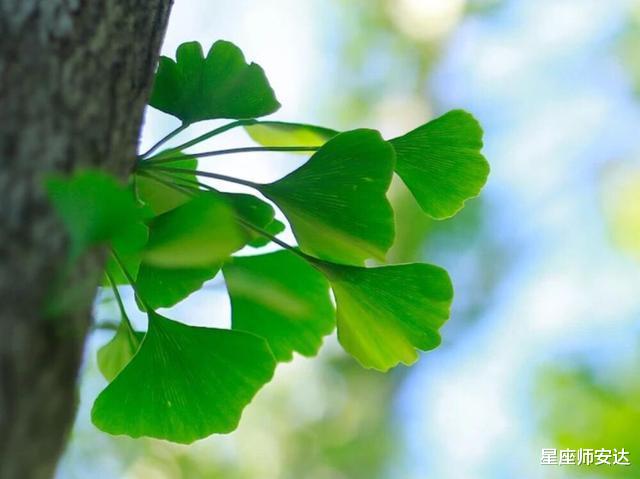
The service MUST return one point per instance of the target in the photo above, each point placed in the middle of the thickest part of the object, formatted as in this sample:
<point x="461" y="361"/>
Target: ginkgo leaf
<point x="257" y="213"/>
<point x="158" y="195"/>
<point x="128" y="246"/>
<point x="385" y="314"/>
<point x="281" y="298"/>
<point x="199" y="233"/>
<point x="279" y="133"/>
<point x="95" y="209"/>
<point x="274" y="228"/>
<point x="336" y="202"/>
<point x="222" y="85"/>
<point x="165" y="287"/>
<point x="440" y="162"/>
<point x="184" y="383"/>
<point x="251" y="209"/>
<point x="116" y="354"/>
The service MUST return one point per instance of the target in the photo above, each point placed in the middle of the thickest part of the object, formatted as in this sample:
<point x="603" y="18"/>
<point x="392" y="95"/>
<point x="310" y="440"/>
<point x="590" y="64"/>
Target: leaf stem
<point x="276" y="240"/>
<point x="214" y="132"/>
<point x="178" y="182"/>
<point x="116" y="293"/>
<point x="207" y="174"/>
<point x="229" y="151"/>
<point x="162" y="141"/>
<point x="164" y="181"/>
<point x="130" y="279"/>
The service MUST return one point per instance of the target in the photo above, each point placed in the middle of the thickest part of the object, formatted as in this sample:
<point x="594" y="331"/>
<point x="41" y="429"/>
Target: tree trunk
<point x="74" y="80"/>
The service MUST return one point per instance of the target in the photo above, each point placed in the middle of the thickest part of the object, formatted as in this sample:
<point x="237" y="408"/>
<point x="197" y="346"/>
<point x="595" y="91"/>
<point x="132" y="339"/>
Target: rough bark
<point x="74" y="79"/>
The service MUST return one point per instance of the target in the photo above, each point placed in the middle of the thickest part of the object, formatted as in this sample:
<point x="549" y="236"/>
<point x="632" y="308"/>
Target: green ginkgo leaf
<point x="116" y="354"/>
<point x="128" y="246"/>
<point x="222" y="85"/>
<point x="96" y="209"/>
<point x="199" y="233"/>
<point x="250" y="209"/>
<point x="336" y="202"/>
<point x="440" y="162"/>
<point x="184" y="383"/>
<point x="279" y="133"/>
<point x="385" y="314"/>
<point x="281" y="298"/>
<point x="164" y="287"/>
<point x="257" y="213"/>
<point x="153" y="188"/>
<point x="273" y="228"/>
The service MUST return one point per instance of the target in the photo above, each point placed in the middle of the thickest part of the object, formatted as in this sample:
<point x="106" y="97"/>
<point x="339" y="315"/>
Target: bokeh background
<point x="542" y="346"/>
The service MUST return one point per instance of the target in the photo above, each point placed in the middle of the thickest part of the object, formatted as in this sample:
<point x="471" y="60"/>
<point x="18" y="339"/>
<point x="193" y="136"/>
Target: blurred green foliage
<point x="579" y="409"/>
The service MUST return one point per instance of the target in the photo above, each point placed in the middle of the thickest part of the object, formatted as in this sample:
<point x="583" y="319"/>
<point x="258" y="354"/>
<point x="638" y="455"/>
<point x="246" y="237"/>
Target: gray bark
<point x="74" y="79"/>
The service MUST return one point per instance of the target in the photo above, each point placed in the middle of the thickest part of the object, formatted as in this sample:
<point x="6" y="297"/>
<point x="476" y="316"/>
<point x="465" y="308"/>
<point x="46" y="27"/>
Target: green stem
<point x="116" y="293"/>
<point x="276" y="240"/>
<point x="207" y="174"/>
<point x="185" y="183"/>
<point x="229" y="151"/>
<point x="173" y="133"/>
<point x="164" y="181"/>
<point x="130" y="279"/>
<point x="213" y="133"/>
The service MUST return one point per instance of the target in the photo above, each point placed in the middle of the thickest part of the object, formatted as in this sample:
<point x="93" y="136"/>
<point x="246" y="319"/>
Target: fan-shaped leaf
<point x="251" y="209"/>
<point x="440" y="162"/>
<point x="165" y="287"/>
<point x="184" y="383"/>
<point x="116" y="354"/>
<point x="128" y="246"/>
<point x="274" y="228"/>
<point x="160" y="197"/>
<point x="279" y="133"/>
<point x="257" y="213"/>
<point x="222" y="85"/>
<point x="199" y="233"/>
<point x="281" y="298"/>
<point x="336" y="202"/>
<point x="386" y="313"/>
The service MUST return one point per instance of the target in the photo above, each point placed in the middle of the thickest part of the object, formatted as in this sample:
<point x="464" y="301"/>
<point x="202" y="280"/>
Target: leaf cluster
<point x="169" y="232"/>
